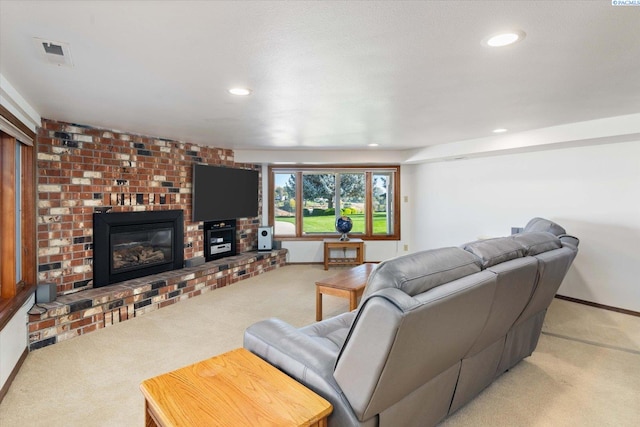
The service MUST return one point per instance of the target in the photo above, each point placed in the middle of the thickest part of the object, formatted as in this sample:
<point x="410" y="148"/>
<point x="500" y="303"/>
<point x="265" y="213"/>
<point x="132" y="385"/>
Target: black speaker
<point x="46" y="292"/>
<point x="265" y="238"/>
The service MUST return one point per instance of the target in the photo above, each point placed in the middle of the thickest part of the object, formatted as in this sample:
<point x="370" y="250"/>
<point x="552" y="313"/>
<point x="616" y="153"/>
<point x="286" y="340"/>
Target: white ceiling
<point x="325" y="75"/>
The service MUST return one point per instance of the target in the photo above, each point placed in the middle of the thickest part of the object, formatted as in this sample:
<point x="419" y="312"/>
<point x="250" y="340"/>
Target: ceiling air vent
<point x="56" y="53"/>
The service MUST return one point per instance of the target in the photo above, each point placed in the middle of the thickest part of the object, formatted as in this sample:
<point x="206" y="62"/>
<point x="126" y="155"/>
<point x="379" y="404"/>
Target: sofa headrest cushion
<point x="570" y="241"/>
<point x="421" y="271"/>
<point x="536" y="243"/>
<point x="541" y="224"/>
<point x="495" y="251"/>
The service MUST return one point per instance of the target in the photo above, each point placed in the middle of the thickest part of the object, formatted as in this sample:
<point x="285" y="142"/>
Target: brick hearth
<point x="83" y="312"/>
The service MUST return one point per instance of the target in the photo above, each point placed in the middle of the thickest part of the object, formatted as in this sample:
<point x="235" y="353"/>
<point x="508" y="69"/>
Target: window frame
<point x="17" y="282"/>
<point x="368" y="170"/>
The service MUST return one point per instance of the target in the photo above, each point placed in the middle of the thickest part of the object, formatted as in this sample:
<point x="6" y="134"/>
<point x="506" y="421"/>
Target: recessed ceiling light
<point x="504" y="39"/>
<point x="240" y="91"/>
<point x="373" y="145"/>
<point x="499" y="130"/>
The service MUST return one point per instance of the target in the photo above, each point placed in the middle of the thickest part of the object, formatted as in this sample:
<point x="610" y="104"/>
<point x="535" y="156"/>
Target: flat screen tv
<point x="221" y="193"/>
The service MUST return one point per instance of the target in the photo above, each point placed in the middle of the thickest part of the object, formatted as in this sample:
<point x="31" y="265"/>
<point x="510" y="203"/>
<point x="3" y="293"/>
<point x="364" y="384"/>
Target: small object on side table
<point x="344" y="225"/>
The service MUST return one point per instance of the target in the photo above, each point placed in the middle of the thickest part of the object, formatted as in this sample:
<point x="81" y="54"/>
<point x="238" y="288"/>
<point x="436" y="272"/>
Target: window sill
<point x="9" y="306"/>
<point x="321" y="237"/>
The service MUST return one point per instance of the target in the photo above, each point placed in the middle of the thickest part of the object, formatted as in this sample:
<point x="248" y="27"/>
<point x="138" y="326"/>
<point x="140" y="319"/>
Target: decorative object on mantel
<point x="344" y="225"/>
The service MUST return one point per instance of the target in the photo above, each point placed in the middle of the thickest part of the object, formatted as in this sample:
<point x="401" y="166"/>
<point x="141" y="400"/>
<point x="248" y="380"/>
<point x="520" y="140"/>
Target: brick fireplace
<point x="83" y="170"/>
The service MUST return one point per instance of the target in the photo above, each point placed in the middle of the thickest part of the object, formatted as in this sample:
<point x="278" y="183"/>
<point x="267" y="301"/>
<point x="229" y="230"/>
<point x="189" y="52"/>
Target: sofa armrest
<point x="305" y="360"/>
<point x="290" y="350"/>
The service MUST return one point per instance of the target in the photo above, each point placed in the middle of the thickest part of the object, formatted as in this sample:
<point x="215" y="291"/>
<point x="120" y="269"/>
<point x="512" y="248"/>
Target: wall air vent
<point x="56" y="53"/>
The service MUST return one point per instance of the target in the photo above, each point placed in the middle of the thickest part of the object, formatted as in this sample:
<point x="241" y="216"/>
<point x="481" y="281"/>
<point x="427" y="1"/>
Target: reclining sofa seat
<point x="432" y="330"/>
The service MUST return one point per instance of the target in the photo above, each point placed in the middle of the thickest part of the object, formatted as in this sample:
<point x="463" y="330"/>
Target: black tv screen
<point x="221" y="193"/>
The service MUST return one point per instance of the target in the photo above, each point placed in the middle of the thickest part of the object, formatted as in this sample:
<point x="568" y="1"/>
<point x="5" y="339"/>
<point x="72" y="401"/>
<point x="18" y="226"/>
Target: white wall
<point x="592" y="191"/>
<point x="313" y="251"/>
<point x="14" y="340"/>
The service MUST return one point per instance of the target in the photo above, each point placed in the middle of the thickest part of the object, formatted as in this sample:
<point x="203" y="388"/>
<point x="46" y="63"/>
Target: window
<point x="382" y="198"/>
<point x="306" y="202"/>
<point x="284" y="202"/>
<point x="17" y="218"/>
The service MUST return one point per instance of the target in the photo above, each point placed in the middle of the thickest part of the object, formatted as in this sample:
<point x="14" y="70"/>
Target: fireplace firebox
<point x="127" y="245"/>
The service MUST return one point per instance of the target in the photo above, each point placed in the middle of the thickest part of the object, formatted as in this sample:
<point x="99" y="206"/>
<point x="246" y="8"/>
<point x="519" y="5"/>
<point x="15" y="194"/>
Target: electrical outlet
<point x="406" y="248"/>
<point x="406" y="199"/>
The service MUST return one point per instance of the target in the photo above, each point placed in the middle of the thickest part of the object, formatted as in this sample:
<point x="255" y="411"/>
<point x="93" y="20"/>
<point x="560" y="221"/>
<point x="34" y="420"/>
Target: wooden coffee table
<point x="233" y="389"/>
<point x="347" y="284"/>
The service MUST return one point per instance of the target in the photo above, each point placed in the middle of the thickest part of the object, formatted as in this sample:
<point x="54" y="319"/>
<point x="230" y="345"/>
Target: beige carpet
<point x="585" y="372"/>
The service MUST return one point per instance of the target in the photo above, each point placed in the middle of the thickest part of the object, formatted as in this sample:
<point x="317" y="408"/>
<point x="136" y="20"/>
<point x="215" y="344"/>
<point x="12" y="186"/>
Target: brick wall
<point x="82" y="170"/>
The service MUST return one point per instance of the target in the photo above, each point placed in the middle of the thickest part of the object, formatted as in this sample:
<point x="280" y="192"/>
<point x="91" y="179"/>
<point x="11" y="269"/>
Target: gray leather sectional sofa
<point x="432" y="330"/>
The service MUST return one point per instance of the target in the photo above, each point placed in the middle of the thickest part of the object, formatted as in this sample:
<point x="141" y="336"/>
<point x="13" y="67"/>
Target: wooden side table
<point x="329" y="244"/>
<point x="233" y="389"/>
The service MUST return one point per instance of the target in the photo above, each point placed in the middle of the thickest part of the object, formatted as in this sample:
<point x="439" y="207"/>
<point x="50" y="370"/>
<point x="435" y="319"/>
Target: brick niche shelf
<point x="86" y="311"/>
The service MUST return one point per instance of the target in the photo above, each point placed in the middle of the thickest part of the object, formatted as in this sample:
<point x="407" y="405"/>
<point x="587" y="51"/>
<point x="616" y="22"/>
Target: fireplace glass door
<point x="129" y="245"/>
<point x="140" y="246"/>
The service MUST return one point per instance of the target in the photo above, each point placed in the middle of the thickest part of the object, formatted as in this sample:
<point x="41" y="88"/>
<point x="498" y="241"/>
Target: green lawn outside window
<point x="324" y="224"/>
